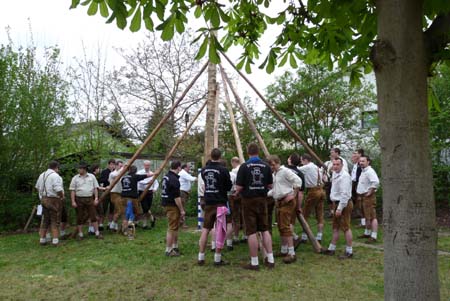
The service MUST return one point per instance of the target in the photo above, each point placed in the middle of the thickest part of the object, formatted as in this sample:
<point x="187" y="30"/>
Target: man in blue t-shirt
<point x="253" y="181"/>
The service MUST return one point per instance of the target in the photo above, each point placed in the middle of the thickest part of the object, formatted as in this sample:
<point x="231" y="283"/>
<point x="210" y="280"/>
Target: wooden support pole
<point x="153" y="134"/>
<point x="170" y="153"/>
<point x="277" y="115"/>
<point x="237" y="140"/>
<point x="216" y="118"/>
<point x="316" y="245"/>
<point x="33" y="211"/>
<point x="244" y="111"/>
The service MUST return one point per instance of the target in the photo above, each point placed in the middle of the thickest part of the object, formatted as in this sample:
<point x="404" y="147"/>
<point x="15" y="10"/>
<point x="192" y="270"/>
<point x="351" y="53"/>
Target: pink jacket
<point x="221" y="226"/>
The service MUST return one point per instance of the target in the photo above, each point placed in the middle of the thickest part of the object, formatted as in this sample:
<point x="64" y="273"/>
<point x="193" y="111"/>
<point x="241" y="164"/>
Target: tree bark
<point x="210" y="108"/>
<point x="410" y="237"/>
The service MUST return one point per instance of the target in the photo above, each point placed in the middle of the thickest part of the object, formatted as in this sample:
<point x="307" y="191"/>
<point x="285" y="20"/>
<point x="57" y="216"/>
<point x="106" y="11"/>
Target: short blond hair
<point x="235" y="160"/>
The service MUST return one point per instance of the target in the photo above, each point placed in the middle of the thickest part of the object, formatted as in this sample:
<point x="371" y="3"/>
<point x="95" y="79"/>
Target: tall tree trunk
<point x="410" y="237"/>
<point x="210" y="108"/>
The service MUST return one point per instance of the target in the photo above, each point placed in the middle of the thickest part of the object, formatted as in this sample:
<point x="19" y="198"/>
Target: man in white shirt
<point x="284" y="191"/>
<point x="367" y="187"/>
<point x="51" y="192"/>
<point x="84" y="196"/>
<point x="341" y="193"/>
<point x="185" y="186"/>
<point x="116" y="196"/>
<point x="147" y="201"/>
<point x="315" y="196"/>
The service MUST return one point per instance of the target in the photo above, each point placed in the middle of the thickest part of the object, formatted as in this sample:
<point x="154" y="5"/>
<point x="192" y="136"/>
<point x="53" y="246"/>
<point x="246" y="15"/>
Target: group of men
<point x="243" y="198"/>
<point x="85" y="191"/>
<point x="252" y="190"/>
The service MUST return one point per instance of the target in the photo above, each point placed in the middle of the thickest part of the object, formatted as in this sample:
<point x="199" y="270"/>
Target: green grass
<point x="118" y="269"/>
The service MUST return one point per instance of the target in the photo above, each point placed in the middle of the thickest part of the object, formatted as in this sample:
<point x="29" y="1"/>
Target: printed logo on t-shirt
<point x="126" y="184"/>
<point x="257" y="177"/>
<point x="210" y="182"/>
<point x="164" y="187"/>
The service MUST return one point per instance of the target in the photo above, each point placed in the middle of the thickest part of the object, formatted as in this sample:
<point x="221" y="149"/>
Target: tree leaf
<point x="104" y="10"/>
<point x="293" y="61"/>
<point x="248" y="66"/>
<point x="179" y="25"/>
<point x="136" y="21"/>
<point x="283" y="60"/>
<point x="202" y="50"/>
<point x="93" y="8"/>
<point x="74" y="4"/>
<point x="198" y="11"/>
<point x="213" y="55"/>
<point x="215" y="18"/>
<point x="148" y="23"/>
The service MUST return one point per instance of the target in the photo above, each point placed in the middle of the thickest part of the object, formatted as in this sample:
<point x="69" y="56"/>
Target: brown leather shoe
<point x="251" y="267"/>
<point x="364" y="236"/>
<point x="328" y="252"/>
<point x="346" y="256"/>
<point x="268" y="264"/>
<point x="290" y="259"/>
<point x="221" y="263"/>
<point x="280" y="254"/>
<point x="371" y="240"/>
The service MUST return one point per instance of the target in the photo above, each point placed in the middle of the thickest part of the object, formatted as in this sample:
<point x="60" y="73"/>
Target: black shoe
<point x="251" y="267"/>
<point x="244" y="240"/>
<point x="328" y="252"/>
<point x="91" y="233"/>
<point x="221" y="263"/>
<point x="176" y="250"/>
<point x="364" y="236"/>
<point x="145" y="227"/>
<point x="268" y="264"/>
<point x="100" y="228"/>
<point x="213" y="250"/>
<point x="230" y="248"/>
<point x="152" y="224"/>
<point x="201" y="262"/>
<point x="346" y="256"/>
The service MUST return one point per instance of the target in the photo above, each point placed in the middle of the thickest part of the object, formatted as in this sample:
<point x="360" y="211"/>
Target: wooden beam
<point x="172" y="150"/>
<point x="277" y="115"/>
<point x="216" y="118"/>
<point x="237" y="140"/>
<point x="152" y="135"/>
<point x="244" y="111"/>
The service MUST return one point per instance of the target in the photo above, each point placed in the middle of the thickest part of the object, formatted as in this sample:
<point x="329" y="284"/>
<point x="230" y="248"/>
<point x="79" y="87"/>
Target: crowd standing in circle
<point x="238" y="200"/>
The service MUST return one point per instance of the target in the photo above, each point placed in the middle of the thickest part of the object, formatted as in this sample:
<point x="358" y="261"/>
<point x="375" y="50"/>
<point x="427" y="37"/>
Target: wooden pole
<point x="277" y="115"/>
<point x="244" y="111"/>
<point x="152" y="135"/>
<point x="170" y="153"/>
<point x="210" y="108"/>
<point x="29" y="219"/>
<point x="233" y="122"/>
<point x="216" y="118"/>
<point x="315" y="244"/>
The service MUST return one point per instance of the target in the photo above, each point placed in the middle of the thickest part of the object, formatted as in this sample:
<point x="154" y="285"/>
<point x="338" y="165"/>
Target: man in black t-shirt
<point x="217" y="183"/>
<point x="130" y="193"/>
<point x="103" y="183"/>
<point x="253" y="181"/>
<point x="293" y="163"/>
<point x="171" y="201"/>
